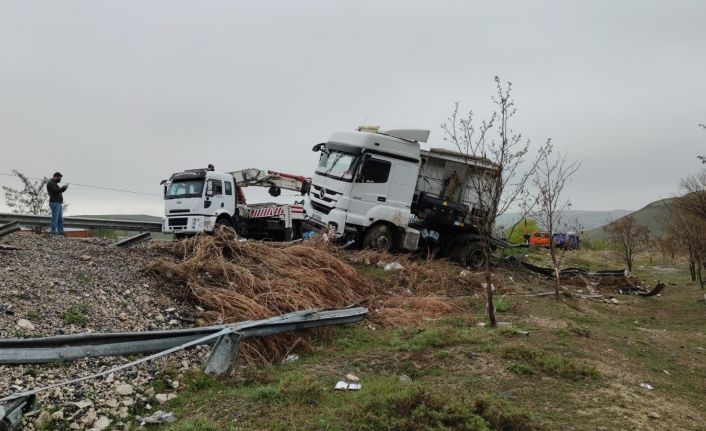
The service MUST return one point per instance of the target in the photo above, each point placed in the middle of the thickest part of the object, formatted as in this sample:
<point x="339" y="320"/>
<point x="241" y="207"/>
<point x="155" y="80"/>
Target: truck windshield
<point x="337" y="164"/>
<point x="185" y="189"/>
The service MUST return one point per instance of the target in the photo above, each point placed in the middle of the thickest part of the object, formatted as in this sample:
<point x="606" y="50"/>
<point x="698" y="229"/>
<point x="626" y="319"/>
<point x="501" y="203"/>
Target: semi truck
<point x="376" y="186"/>
<point x="199" y="200"/>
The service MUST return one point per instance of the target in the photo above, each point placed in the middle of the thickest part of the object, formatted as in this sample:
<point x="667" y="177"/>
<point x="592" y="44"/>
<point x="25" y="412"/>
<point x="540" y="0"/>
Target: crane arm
<point x="276" y="181"/>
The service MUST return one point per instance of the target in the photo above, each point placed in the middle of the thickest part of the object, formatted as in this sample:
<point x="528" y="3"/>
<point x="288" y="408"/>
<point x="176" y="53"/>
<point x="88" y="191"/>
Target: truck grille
<point x="320" y="208"/>
<point x="178" y="221"/>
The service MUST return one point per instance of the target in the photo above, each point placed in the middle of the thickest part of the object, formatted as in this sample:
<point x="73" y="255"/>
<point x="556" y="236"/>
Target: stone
<point x="404" y="378"/>
<point x="352" y="378"/>
<point x="25" y="324"/>
<point x="163" y="398"/>
<point x="58" y="415"/>
<point x="43" y="420"/>
<point x="124" y="389"/>
<point x="653" y="415"/>
<point x="101" y="423"/>
<point x="85" y="258"/>
<point x="123" y="316"/>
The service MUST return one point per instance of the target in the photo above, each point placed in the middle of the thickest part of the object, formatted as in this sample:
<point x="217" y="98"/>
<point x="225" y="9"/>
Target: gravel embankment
<point x="56" y="286"/>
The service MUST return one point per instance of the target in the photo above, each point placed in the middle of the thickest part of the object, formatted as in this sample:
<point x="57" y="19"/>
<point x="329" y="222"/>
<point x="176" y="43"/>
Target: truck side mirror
<point x="318" y="147"/>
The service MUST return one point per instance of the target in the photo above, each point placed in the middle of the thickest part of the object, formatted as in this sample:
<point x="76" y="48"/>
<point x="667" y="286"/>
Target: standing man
<point x="56" y="203"/>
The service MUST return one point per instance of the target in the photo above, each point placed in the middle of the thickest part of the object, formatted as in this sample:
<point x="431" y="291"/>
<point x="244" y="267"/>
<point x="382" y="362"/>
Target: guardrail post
<point x="223" y="355"/>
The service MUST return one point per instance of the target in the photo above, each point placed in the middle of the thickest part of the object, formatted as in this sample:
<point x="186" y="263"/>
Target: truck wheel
<point x="378" y="238"/>
<point x="471" y="255"/>
<point x="224" y="221"/>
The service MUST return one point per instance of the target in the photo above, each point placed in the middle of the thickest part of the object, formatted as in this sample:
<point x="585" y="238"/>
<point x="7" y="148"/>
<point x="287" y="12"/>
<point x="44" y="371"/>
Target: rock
<point x="123" y="316"/>
<point x="85" y="258"/>
<point x="101" y="423"/>
<point x="112" y="403"/>
<point x="504" y="324"/>
<point x="25" y="324"/>
<point x="90" y="417"/>
<point x="614" y="301"/>
<point x="481" y="324"/>
<point x="83" y="404"/>
<point x="124" y="389"/>
<point x="43" y="420"/>
<point x="163" y="398"/>
<point x="653" y="415"/>
<point x="352" y="378"/>
<point x="173" y="322"/>
<point x="74" y="426"/>
<point x="404" y="378"/>
<point x="174" y="384"/>
<point x="58" y="415"/>
<point x="170" y="310"/>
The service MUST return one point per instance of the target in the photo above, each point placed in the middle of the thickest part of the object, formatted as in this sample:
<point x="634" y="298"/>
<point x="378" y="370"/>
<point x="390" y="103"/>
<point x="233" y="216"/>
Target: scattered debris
<point x="345" y="386"/>
<point x="481" y="324"/>
<point x="394" y="266"/>
<point x="613" y="301"/>
<point x="158" y="417"/>
<point x="653" y="415"/>
<point x="404" y="378"/>
<point x="504" y="324"/>
<point x="647" y="386"/>
<point x="290" y="358"/>
<point x="124" y="389"/>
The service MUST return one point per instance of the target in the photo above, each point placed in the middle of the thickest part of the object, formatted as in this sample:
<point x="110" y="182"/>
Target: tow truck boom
<point x="275" y="181"/>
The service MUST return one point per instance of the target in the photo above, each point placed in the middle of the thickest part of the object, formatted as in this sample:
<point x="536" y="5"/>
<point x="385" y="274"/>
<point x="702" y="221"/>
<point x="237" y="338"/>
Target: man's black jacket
<point x="55" y="192"/>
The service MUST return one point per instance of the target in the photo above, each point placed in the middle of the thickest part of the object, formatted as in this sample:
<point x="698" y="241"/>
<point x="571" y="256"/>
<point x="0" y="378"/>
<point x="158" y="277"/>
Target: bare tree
<point x="689" y="231"/>
<point x="494" y="169"/>
<point x="693" y="199"/>
<point x="629" y="236"/>
<point x="32" y="198"/>
<point x="549" y="179"/>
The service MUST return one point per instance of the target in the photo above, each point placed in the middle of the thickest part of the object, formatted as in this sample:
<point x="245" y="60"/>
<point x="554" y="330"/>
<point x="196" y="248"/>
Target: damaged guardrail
<point x="9" y="228"/>
<point x="226" y="340"/>
<point x="133" y="240"/>
<point x="88" y="345"/>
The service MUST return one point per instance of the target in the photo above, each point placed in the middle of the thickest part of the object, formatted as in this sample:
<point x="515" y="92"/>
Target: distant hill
<point x="651" y="216"/>
<point x="586" y="219"/>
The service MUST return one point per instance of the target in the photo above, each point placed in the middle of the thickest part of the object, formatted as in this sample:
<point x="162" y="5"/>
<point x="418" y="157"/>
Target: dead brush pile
<point x="423" y="289"/>
<point x="246" y="280"/>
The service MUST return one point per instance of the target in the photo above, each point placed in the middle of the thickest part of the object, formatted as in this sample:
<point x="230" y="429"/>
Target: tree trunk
<point x="557" y="288"/>
<point x="489" y="289"/>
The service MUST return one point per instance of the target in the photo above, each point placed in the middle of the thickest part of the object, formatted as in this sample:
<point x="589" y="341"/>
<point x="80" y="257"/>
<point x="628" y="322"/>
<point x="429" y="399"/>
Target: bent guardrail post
<point x="223" y="355"/>
<point x="11" y="411"/>
<point x="9" y="228"/>
<point x="132" y="240"/>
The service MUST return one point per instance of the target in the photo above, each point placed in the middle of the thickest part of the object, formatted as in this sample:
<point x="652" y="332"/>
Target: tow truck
<point x="198" y="200"/>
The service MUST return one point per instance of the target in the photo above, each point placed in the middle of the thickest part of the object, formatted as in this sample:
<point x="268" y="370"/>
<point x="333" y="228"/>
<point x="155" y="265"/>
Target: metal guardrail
<point x="85" y="345"/>
<point x="84" y="222"/>
<point x="9" y="228"/>
<point x="135" y="239"/>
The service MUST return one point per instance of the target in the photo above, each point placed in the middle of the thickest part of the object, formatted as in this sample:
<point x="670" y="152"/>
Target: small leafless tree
<point x="693" y="199"/>
<point x="629" y="236"/>
<point x="32" y="198"/>
<point x="549" y="180"/>
<point x="497" y="169"/>
<point x="689" y="231"/>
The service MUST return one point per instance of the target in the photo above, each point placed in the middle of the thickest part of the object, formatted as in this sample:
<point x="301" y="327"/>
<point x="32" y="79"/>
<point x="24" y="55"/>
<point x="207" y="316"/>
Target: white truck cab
<point x="196" y="200"/>
<point x="367" y="178"/>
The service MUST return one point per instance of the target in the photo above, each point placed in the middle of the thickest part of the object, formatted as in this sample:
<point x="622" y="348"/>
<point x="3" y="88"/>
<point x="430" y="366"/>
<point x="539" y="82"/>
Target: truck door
<point x="216" y="201"/>
<point x="371" y="186"/>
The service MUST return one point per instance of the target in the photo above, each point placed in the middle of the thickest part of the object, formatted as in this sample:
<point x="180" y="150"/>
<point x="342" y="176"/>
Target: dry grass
<point x="245" y="280"/>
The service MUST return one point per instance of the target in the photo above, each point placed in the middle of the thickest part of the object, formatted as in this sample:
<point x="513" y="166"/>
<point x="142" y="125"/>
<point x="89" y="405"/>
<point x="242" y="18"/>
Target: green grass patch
<point x="76" y="314"/>
<point x="531" y="361"/>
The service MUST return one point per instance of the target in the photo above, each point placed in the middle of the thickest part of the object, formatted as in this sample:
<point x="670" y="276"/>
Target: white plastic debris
<point x="647" y="386"/>
<point x="481" y="324"/>
<point x="352" y="378"/>
<point x="342" y="385"/>
<point x="394" y="266"/>
<point x="158" y="417"/>
<point x="290" y="358"/>
<point x="485" y="286"/>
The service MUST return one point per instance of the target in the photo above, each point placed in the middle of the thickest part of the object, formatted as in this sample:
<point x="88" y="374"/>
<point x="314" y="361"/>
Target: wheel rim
<point x="382" y="242"/>
<point x="475" y="259"/>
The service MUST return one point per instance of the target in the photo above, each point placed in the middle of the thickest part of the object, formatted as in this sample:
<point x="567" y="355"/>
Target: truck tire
<point x="224" y="221"/>
<point x="470" y="254"/>
<point x="378" y="238"/>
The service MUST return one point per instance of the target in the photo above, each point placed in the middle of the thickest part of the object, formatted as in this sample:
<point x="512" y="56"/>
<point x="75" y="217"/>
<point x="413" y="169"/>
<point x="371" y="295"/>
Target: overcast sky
<point x="123" y="93"/>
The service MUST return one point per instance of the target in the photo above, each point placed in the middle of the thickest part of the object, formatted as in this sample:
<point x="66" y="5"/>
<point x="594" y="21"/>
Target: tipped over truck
<point x="376" y="186"/>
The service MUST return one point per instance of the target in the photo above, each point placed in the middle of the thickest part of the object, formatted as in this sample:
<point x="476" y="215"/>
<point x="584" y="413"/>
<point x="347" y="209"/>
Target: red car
<point x="541" y="239"/>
